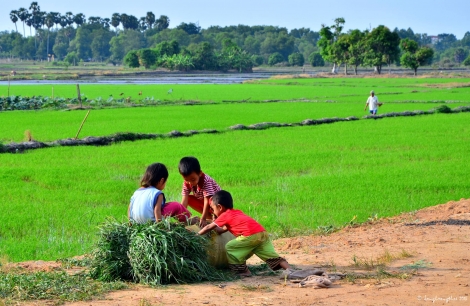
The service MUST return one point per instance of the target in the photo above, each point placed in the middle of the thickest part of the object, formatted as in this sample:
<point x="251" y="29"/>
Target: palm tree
<point x="49" y="22"/>
<point x="29" y="23"/>
<point x="23" y="15"/>
<point x="116" y="21"/>
<point x="57" y="18"/>
<point x="133" y="22"/>
<point x="150" y="19"/>
<point x="36" y="19"/>
<point x="14" y="18"/>
<point x="142" y="24"/>
<point x="105" y="22"/>
<point x="125" y="21"/>
<point x="69" y="16"/>
<point x="93" y="20"/>
<point x="37" y="23"/>
<point x="63" y="21"/>
<point x="79" y="19"/>
<point x="34" y="7"/>
<point x="162" y="23"/>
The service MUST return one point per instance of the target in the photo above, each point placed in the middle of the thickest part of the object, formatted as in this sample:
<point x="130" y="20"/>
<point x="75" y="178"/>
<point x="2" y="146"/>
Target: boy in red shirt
<point x="251" y="239"/>
<point x="200" y="184"/>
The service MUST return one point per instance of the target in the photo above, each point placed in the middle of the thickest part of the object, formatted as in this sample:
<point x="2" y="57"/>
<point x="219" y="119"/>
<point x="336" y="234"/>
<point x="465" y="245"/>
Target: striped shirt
<point x="206" y="187"/>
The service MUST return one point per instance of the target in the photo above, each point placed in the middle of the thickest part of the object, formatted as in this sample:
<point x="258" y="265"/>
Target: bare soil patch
<point x="435" y="270"/>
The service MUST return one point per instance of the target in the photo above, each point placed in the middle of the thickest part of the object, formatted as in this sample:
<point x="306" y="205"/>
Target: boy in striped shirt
<point x="201" y="185"/>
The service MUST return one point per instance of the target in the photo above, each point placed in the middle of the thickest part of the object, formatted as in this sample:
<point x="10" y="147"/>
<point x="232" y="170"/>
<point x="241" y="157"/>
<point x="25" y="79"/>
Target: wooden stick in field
<point x="79" y="96"/>
<point x="8" y="85"/>
<point x="83" y="122"/>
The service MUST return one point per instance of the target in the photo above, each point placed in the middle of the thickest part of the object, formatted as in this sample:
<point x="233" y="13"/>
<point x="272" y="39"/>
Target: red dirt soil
<point x="437" y="238"/>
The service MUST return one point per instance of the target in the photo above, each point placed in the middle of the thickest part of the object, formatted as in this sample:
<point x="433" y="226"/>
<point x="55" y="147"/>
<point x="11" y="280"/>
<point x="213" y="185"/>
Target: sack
<point x="216" y="253"/>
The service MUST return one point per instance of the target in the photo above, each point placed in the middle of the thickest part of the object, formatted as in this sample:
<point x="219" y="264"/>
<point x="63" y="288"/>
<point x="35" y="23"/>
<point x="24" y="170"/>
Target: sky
<point x="422" y="16"/>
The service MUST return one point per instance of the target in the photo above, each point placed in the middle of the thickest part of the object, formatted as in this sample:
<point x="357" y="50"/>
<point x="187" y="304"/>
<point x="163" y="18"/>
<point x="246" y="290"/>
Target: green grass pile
<point x="51" y="286"/>
<point x="153" y="253"/>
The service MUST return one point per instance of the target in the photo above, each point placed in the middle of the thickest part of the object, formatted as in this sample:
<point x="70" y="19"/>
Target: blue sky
<point x="431" y="17"/>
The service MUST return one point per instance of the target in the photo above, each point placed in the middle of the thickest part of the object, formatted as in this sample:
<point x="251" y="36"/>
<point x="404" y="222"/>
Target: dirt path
<point x="430" y="265"/>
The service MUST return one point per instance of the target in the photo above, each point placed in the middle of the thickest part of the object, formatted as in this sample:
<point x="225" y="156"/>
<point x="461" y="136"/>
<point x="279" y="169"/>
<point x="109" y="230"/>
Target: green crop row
<point x="50" y="125"/>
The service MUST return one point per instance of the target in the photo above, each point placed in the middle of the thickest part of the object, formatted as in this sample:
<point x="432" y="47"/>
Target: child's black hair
<point x="188" y="165"/>
<point x="154" y="173"/>
<point x="223" y="198"/>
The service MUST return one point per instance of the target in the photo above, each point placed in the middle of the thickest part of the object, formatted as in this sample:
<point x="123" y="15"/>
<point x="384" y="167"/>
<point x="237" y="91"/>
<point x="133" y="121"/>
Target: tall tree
<point x="356" y="48"/>
<point x="382" y="47"/>
<point x="341" y="52"/>
<point x="14" y="18"/>
<point x="49" y="22"/>
<point x="116" y="21"/>
<point x="328" y="38"/>
<point x="162" y="23"/>
<point x="29" y="23"/>
<point x="150" y="19"/>
<point x="106" y="22"/>
<point x="70" y="17"/>
<point x="414" y="56"/>
<point x="465" y="41"/>
<point x="460" y="54"/>
<point x="100" y="43"/>
<point x="94" y="20"/>
<point x="123" y="43"/>
<point x="445" y="41"/>
<point x="37" y="19"/>
<point x="56" y="17"/>
<point x="190" y="28"/>
<point x="129" y="22"/>
<point x="63" y="21"/>
<point x="23" y="15"/>
<point x="79" y="19"/>
<point x="143" y="24"/>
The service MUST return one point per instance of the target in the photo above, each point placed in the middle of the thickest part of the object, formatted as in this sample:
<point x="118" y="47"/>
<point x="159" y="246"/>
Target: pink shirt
<point x="238" y="223"/>
<point x="206" y="187"/>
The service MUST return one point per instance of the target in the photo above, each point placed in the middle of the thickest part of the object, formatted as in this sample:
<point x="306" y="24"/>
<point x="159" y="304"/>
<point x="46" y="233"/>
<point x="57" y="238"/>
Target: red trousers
<point x="198" y="204"/>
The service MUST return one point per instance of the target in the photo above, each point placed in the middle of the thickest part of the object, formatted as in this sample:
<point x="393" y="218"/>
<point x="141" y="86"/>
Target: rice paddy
<point x="293" y="180"/>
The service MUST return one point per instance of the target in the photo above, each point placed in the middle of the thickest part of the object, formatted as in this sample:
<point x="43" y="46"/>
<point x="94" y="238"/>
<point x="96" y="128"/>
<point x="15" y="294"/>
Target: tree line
<point x="149" y="41"/>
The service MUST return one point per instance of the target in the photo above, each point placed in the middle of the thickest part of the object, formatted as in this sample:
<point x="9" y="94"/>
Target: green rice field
<point x="293" y="180"/>
<point x="316" y="89"/>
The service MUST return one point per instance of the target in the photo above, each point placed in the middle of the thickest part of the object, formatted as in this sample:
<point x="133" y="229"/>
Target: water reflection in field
<point x="164" y="79"/>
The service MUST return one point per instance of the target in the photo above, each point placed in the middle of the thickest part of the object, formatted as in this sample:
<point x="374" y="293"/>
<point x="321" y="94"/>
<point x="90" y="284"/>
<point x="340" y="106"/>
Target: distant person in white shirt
<point x="373" y="103"/>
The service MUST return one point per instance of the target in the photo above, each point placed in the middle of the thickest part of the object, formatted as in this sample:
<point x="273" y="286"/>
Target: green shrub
<point x="258" y="60"/>
<point x="443" y="109"/>
<point x="316" y="60"/>
<point x="72" y="58"/>
<point x="147" y="57"/>
<point x="132" y="59"/>
<point x="466" y="61"/>
<point x="275" y="58"/>
<point x="296" y="59"/>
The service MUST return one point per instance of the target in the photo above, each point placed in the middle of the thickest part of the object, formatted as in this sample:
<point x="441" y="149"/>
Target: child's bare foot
<point x="246" y="273"/>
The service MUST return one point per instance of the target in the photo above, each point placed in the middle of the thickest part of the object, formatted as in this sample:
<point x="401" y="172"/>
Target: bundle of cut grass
<point x="153" y="253"/>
